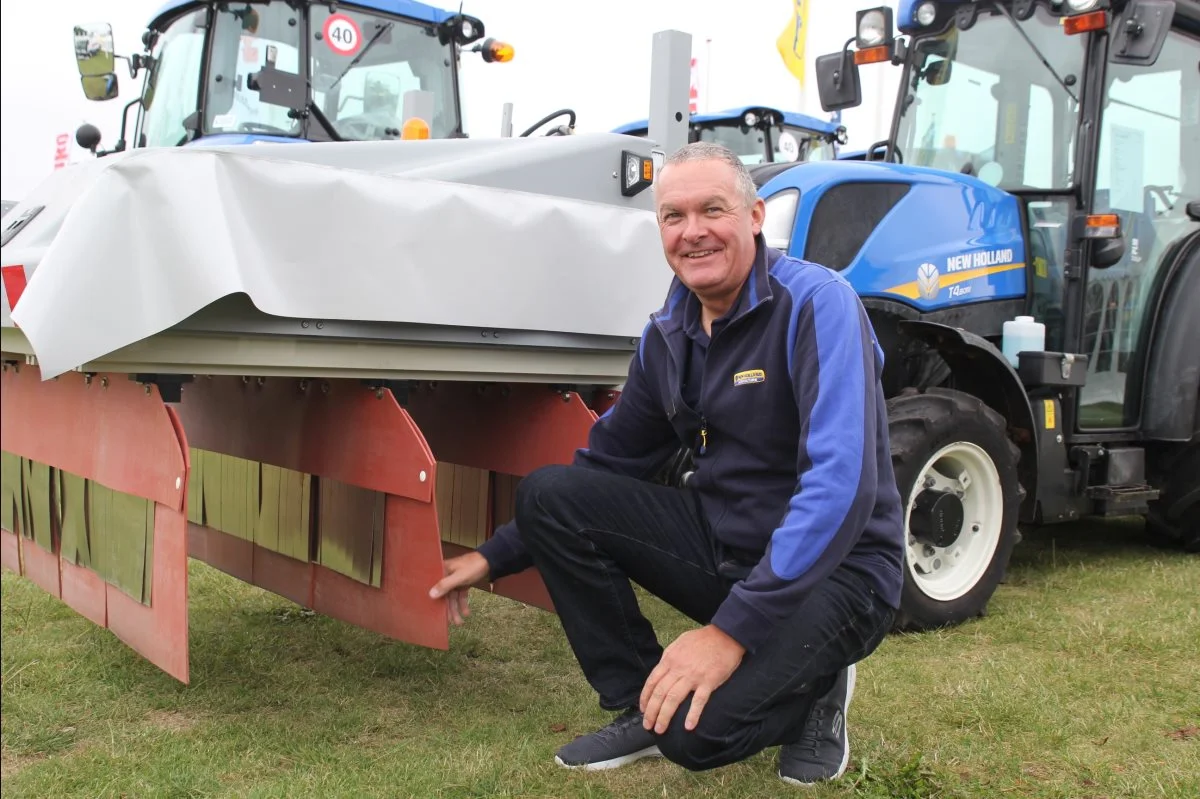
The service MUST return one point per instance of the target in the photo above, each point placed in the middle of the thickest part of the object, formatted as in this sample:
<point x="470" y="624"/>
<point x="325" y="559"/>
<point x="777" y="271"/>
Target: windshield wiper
<point x="1000" y="7"/>
<point x="384" y="28"/>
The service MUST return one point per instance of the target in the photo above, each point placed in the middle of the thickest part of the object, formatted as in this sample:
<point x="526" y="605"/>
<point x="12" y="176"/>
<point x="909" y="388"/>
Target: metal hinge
<point x="1068" y="360"/>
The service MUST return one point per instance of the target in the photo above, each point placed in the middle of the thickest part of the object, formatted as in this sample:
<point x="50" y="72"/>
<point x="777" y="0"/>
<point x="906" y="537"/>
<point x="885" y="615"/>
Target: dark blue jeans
<point x="591" y="533"/>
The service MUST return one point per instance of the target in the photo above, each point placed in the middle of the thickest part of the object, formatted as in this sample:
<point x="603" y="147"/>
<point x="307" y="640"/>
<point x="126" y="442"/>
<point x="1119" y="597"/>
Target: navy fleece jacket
<point x="792" y="462"/>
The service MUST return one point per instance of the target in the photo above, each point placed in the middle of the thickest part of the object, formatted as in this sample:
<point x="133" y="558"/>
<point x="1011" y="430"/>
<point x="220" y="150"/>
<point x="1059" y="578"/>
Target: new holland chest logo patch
<point x="749" y="376"/>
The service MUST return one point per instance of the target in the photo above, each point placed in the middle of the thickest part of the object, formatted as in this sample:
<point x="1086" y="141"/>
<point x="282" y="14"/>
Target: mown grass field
<point x="1081" y="682"/>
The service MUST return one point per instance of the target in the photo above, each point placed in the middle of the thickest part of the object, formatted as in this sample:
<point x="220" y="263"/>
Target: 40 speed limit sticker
<point x="342" y="34"/>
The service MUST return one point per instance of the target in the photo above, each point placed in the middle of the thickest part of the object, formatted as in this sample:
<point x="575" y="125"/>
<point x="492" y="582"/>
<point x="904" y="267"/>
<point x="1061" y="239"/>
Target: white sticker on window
<point x="789" y="148"/>
<point x="1127" y="149"/>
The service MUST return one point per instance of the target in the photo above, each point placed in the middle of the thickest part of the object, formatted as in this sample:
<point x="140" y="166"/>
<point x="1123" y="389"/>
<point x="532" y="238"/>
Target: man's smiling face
<point x="708" y="228"/>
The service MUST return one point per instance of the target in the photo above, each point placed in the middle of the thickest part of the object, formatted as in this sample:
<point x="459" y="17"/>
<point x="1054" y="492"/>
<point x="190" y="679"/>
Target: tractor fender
<point x="1173" y="373"/>
<point x="979" y="368"/>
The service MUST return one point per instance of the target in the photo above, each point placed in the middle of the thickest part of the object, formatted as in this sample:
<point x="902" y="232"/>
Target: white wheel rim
<point x="947" y="573"/>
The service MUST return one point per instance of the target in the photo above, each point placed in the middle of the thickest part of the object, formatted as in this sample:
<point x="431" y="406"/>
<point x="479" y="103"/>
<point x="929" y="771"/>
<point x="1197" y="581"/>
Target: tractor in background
<point x="239" y="73"/>
<point x="1043" y="161"/>
<point x="761" y="135"/>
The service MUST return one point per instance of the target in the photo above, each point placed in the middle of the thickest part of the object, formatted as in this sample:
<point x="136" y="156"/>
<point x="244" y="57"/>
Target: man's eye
<point x="712" y="209"/>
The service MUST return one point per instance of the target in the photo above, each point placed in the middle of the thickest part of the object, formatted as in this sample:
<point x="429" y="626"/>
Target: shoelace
<point x="812" y="731"/>
<point x="617" y="726"/>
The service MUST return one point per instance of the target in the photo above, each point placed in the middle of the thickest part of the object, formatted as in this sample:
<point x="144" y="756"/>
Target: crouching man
<point x="785" y="540"/>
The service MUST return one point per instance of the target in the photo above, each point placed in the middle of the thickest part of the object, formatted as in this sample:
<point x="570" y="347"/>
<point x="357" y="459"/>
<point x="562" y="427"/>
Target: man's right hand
<point x="461" y="573"/>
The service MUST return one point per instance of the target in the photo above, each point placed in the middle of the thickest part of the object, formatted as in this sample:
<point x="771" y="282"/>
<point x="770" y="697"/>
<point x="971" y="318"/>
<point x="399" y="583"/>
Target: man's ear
<point x="758" y="213"/>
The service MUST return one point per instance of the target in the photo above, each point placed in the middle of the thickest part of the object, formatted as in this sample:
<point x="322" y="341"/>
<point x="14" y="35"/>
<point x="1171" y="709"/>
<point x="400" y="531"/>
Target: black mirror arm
<point x="837" y="81"/>
<point x="120" y="145"/>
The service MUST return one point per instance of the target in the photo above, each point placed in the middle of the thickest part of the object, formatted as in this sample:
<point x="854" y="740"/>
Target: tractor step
<point x="1122" y="500"/>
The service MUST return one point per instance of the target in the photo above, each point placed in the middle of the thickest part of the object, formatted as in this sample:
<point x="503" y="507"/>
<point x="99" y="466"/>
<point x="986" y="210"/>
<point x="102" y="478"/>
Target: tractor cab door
<point x="1148" y="169"/>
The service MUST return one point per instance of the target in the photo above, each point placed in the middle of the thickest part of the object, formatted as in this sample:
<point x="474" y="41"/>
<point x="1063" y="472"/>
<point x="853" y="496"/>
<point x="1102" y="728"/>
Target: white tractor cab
<point x="240" y="72"/>
<point x="761" y="135"/>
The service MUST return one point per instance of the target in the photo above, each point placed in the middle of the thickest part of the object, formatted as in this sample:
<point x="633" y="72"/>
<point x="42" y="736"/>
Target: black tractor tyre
<point x="922" y="423"/>
<point x="1175" y="515"/>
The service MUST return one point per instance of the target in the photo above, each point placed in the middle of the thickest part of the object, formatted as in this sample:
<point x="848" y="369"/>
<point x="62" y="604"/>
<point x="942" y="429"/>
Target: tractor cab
<point x="761" y="135"/>
<point x="282" y="71"/>
<point x="1026" y="241"/>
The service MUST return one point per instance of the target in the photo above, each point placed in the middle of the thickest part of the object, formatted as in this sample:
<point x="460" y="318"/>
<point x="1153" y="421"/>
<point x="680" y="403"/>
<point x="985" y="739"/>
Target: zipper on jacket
<point x="703" y="435"/>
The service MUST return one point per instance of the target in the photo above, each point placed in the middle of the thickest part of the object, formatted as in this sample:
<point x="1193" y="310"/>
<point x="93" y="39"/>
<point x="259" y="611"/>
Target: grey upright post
<point x="506" y="121"/>
<point x="418" y="104"/>
<point x="670" y="85"/>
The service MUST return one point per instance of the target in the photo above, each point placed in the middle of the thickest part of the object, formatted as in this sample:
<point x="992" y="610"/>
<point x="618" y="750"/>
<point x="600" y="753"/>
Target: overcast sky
<point x="595" y="60"/>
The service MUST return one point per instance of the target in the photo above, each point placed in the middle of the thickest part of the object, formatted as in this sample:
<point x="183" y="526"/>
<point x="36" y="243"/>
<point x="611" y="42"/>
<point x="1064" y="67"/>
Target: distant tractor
<point x="761" y="135"/>
<point x="1043" y="161"/>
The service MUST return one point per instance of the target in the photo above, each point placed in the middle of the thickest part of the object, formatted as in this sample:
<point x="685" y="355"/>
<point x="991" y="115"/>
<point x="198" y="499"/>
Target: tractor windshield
<point x="983" y="102"/>
<point x="764" y="143"/>
<point x="793" y="143"/>
<point x="308" y="72"/>
<point x="359" y="81"/>
<point x="749" y="143"/>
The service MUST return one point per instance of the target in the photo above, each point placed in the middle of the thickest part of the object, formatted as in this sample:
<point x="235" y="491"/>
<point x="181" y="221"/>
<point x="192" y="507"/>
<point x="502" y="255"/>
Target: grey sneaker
<point x="824" y="751"/>
<point x="620" y="742"/>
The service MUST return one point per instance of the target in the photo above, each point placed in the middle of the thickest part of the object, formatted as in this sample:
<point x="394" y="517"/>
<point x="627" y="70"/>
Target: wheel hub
<point x="936" y="518"/>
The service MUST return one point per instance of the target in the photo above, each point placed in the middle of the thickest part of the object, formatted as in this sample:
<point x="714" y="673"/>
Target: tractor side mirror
<point x="95" y="58"/>
<point x="1107" y="252"/>
<point x="837" y="81"/>
<point x="94" y="51"/>
<point x="100" y="87"/>
<point x="1104" y="231"/>
<point x="1140" y="32"/>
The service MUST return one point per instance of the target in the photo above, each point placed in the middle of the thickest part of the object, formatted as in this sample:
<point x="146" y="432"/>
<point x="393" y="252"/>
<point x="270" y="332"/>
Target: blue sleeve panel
<point x="634" y="438"/>
<point x="834" y="364"/>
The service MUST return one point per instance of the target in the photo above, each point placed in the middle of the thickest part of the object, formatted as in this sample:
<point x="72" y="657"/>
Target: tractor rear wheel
<point x="1175" y="515"/>
<point x="957" y="474"/>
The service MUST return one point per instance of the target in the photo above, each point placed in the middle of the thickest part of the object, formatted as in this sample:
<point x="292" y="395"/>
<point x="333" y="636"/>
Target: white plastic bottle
<point x="1022" y="335"/>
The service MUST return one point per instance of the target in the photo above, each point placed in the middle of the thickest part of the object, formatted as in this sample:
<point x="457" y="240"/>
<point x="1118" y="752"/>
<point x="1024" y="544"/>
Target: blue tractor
<point x="1043" y="161"/>
<point x="280" y="71"/>
<point x="761" y="135"/>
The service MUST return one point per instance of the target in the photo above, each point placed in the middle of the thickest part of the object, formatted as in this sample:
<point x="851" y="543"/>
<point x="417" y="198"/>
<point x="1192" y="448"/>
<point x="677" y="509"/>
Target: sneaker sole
<point x="616" y="762"/>
<point x="851" y="679"/>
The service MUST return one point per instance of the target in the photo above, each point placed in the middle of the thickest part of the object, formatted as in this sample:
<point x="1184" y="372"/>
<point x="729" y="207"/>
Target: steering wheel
<point x="558" y="131"/>
<point x="261" y="127"/>
<point x="1163" y="194"/>
<point x="887" y="145"/>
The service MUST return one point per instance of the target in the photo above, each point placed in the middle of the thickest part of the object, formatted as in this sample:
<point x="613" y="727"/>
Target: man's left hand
<point x="700" y="661"/>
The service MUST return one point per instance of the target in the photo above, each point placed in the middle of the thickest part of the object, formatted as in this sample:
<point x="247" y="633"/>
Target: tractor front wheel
<point x="957" y="474"/>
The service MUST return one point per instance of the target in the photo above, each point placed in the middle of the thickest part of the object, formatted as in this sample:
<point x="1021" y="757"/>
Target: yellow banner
<point x="791" y="40"/>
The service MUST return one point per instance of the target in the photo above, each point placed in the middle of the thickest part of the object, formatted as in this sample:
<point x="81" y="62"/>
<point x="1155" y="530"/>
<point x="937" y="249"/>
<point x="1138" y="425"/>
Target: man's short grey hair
<point x="711" y="151"/>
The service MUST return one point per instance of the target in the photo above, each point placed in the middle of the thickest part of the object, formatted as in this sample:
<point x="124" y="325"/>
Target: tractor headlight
<point x="926" y="13"/>
<point x="873" y="28"/>
<point x="751" y="119"/>
<point x="1080" y="6"/>
<point x="637" y="172"/>
<point x="633" y="170"/>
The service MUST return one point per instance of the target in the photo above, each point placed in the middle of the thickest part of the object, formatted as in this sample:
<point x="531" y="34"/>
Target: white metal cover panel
<point x="128" y="248"/>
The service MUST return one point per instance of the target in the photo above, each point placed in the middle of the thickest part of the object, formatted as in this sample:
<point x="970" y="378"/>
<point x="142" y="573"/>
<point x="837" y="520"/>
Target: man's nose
<point x="695" y="228"/>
